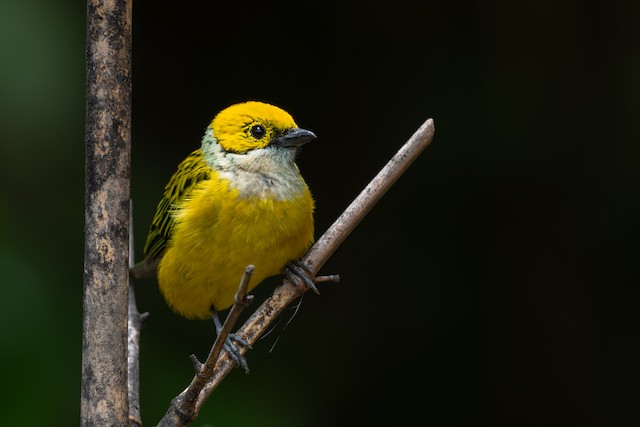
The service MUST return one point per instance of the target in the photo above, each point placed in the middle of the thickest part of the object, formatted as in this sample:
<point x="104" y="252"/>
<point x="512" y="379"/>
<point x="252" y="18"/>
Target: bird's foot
<point x="230" y="345"/>
<point x="234" y="352"/>
<point x="298" y="274"/>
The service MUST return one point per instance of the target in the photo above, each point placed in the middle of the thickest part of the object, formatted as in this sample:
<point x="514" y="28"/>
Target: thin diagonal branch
<point x="315" y="258"/>
<point x="326" y="246"/>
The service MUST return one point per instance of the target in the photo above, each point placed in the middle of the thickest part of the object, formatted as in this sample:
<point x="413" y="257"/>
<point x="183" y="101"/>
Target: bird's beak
<point x="294" y="137"/>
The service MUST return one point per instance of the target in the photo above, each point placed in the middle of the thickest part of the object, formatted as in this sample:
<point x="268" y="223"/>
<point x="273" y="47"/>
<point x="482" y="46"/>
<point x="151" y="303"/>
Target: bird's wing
<point x="192" y="170"/>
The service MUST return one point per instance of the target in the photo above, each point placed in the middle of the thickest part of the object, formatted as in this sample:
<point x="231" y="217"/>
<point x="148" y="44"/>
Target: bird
<point x="237" y="200"/>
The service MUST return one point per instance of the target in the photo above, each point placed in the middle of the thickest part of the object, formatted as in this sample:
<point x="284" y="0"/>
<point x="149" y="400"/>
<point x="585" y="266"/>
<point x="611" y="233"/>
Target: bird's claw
<point x="296" y="274"/>
<point x="230" y="346"/>
<point x="234" y="351"/>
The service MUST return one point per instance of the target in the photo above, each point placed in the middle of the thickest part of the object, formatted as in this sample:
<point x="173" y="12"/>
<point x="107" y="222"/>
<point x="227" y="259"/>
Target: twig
<point x="134" y="325"/>
<point x="184" y="407"/>
<point x="133" y="358"/>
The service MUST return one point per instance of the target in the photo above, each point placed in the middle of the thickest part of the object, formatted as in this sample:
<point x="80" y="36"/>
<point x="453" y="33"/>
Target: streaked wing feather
<point x="192" y="170"/>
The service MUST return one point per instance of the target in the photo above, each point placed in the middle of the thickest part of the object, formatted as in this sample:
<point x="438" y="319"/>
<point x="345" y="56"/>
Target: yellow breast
<point x="219" y="230"/>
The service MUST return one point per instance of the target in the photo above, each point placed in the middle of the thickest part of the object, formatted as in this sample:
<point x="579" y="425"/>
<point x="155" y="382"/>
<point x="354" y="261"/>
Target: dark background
<point x="495" y="284"/>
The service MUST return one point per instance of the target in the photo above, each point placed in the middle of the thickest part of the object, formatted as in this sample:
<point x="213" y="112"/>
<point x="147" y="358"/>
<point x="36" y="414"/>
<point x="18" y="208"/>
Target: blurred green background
<point x="495" y="284"/>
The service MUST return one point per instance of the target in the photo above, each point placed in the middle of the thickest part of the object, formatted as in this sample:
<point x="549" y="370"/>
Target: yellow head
<point x="251" y="125"/>
<point x="254" y="146"/>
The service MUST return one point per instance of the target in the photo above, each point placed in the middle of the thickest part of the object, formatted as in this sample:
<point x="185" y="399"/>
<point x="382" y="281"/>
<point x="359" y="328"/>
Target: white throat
<point x="268" y="172"/>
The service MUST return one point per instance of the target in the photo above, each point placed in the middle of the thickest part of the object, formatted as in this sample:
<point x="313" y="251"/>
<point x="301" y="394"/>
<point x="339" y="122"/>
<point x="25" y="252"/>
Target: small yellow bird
<point x="237" y="200"/>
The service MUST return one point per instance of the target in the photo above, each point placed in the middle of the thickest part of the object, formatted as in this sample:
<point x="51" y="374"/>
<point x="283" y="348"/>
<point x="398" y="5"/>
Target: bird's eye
<point x="257" y="131"/>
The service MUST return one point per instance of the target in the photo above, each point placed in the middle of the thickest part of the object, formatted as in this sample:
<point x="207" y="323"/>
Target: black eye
<point x="257" y="131"/>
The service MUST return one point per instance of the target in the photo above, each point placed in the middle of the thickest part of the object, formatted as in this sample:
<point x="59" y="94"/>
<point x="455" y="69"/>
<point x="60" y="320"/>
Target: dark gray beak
<point x="294" y="137"/>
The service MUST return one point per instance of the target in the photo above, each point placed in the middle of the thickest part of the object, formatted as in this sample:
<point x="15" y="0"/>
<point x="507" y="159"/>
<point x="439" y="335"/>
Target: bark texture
<point x="107" y="184"/>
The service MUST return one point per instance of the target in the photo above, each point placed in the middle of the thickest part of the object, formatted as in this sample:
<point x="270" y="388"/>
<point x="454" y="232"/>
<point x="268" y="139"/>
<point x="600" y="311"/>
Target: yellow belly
<point x="217" y="234"/>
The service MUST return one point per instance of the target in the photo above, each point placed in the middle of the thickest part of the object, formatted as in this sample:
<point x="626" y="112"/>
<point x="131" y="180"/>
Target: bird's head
<point x="254" y="145"/>
<point x="253" y="125"/>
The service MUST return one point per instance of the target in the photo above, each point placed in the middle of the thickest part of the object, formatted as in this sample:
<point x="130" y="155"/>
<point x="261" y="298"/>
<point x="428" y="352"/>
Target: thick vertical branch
<point x="108" y="146"/>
